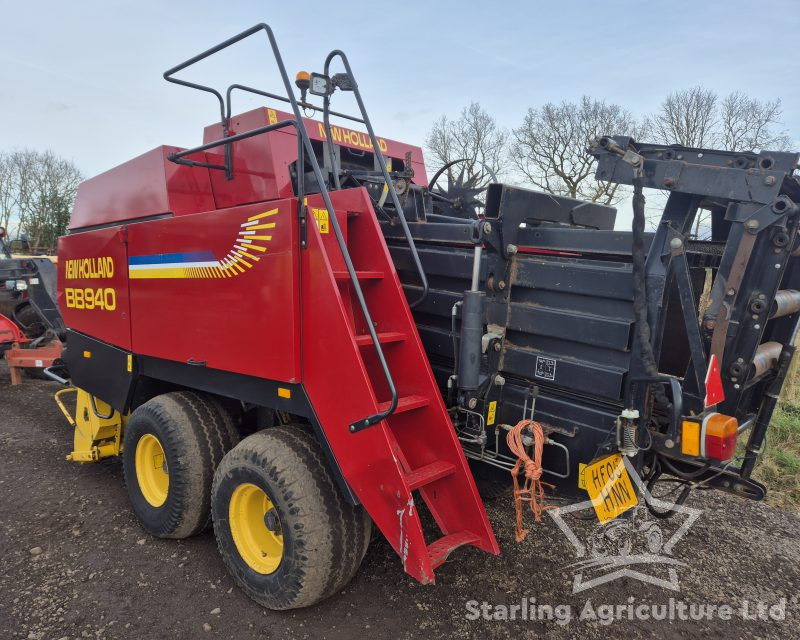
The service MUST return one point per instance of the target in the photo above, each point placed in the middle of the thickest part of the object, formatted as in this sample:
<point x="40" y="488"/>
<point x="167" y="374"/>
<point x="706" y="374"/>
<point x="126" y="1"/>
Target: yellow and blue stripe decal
<point x="248" y="248"/>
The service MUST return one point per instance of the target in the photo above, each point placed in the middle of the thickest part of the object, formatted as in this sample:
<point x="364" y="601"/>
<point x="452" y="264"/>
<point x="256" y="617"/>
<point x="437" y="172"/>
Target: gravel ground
<point x="75" y="564"/>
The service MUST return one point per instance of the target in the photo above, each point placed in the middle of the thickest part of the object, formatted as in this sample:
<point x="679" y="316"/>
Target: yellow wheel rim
<point x="255" y="528"/>
<point x="151" y="470"/>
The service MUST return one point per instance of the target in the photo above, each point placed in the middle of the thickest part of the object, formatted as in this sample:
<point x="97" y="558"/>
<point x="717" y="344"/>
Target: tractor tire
<point x="172" y="445"/>
<point x="283" y="528"/>
<point x="29" y="321"/>
<point x="229" y="422"/>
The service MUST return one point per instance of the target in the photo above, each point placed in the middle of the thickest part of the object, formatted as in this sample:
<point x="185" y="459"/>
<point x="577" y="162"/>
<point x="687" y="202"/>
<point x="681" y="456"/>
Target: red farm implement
<point x="287" y="331"/>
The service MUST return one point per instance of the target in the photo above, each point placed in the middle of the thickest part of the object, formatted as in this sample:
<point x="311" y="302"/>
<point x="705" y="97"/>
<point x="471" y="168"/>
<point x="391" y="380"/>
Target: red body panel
<point x="243" y="320"/>
<point x="95" y="261"/>
<point x="261" y="163"/>
<point x="145" y="186"/>
<point x="230" y="287"/>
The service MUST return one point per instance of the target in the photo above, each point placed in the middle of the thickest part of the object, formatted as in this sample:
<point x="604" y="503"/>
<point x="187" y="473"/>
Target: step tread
<point x="429" y="473"/>
<point x="406" y="403"/>
<point x="439" y="550"/>
<point x="384" y="337"/>
<point x="361" y="275"/>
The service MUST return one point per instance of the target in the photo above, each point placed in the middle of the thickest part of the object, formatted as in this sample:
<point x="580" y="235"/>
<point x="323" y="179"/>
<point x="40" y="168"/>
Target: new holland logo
<point x="247" y="249"/>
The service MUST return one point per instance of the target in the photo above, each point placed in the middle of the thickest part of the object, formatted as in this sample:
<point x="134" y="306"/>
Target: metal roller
<point x="766" y="357"/>
<point x="786" y="302"/>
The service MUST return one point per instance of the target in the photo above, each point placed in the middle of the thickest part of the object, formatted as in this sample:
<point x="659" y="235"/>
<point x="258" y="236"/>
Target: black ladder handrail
<point x="337" y="53"/>
<point x="306" y="141"/>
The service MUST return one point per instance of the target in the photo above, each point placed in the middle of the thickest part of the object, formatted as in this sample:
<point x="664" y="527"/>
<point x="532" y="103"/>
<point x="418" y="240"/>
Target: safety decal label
<point x="545" y="368"/>
<point x="581" y="476"/>
<point x="321" y="216"/>
<point x="492" y="413"/>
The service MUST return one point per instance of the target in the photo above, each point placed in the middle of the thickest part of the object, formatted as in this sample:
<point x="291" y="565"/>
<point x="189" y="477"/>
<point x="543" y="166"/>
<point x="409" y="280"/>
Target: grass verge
<point x="779" y="466"/>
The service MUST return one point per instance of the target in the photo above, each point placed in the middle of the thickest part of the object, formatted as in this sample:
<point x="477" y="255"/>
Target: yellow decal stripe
<point x="253" y="247"/>
<point x="266" y="214"/>
<point x="146" y="274"/>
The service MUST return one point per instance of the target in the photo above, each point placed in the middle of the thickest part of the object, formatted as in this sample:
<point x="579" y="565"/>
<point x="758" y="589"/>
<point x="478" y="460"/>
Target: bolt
<point x="499" y="380"/>
<point x="487" y="228"/>
<point x="731" y="291"/>
<point x="473" y="402"/>
<point x="501" y="285"/>
<point x="511" y="249"/>
<point x="751" y="224"/>
<point x="669" y="443"/>
<point x="756" y="326"/>
<point x="497" y="345"/>
<point x="352" y="428"/>
<point x="769" y="180"/>
<point x="271" y="520"/>
<point x="676" y="243"/>
<point x="736" y="386"/>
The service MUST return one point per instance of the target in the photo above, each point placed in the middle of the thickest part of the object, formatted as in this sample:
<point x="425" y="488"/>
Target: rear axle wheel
<point x="172" y="445"/>
<point x="283" y="528"/>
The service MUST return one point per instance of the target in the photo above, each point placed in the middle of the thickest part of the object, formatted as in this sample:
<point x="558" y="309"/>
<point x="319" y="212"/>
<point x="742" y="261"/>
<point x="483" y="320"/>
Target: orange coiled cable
<point x="532" y="490"/>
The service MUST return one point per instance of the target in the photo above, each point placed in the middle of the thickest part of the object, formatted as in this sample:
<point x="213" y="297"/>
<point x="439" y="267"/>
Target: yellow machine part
<point x="98" y="427"/>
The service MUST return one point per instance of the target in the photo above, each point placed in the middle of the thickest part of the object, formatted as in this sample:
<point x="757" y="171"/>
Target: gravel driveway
<point x="94" y="574"/>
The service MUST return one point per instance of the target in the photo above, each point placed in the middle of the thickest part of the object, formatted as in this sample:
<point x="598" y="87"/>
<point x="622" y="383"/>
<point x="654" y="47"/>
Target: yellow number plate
<point x="609" y="486"/>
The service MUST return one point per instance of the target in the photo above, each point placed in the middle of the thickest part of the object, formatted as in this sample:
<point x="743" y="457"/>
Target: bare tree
<point x="748" y="124"/>
<point x="550" y="148"/>
<point x="8" y="190"/>
<point x="696" y="117"/>
<point x="688" y="117"/>
<point x="44" y="193"/>
<point x="474" y="137"/>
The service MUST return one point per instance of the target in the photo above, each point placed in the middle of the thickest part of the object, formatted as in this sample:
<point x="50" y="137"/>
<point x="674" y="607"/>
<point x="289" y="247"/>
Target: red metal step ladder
<point x="415" y="449"/>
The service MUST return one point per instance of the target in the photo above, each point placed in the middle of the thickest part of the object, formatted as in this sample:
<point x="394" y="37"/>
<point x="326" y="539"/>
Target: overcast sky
<point x="83" y="78"/>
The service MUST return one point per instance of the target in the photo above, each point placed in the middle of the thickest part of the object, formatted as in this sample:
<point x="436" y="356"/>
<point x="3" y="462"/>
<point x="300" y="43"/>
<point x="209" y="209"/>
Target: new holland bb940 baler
<point x="289" y="332"/>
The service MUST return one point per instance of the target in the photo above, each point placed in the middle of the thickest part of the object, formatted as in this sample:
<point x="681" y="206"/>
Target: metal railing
<point x="304" y="144"/>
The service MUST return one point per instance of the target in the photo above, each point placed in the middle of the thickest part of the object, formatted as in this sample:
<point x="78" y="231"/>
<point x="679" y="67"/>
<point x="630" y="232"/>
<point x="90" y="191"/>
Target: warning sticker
<point x="545" y="368"/>
<point x="492" y="413"/>
<point x="321" y="216"/>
